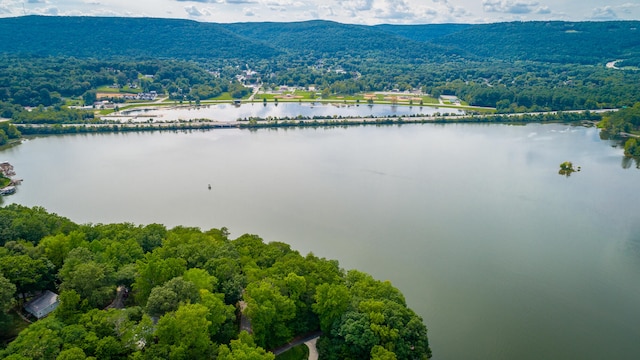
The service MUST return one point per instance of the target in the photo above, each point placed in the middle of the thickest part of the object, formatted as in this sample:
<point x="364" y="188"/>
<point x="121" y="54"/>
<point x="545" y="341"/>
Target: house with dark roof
<point x="43" y="305"/>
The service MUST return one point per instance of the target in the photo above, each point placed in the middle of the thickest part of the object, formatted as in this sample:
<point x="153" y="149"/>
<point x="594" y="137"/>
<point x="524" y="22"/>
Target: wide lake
<point x="501" y="256"/>
<point x="231" y="112"/>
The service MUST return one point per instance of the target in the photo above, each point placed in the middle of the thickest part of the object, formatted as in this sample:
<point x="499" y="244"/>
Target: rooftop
<point x="42" y="302"/>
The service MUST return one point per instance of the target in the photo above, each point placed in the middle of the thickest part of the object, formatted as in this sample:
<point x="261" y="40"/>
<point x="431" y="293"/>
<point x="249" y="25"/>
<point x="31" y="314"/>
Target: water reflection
<point x="618" y="142"/>
<point x="232" y="112"/>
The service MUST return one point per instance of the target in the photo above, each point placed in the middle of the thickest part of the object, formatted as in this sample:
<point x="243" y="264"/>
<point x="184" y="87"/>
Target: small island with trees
<point x="567" y="168"/>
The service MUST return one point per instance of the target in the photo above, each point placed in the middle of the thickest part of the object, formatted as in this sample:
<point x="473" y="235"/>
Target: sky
<point x="366" y="12"/>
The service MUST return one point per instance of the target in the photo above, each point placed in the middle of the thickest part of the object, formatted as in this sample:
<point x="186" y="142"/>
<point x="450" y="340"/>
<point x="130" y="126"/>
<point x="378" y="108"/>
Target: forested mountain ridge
<point x="555" y="41"/>
<point x="133" y="38"/>
<point x="423" y="33"/>
<point x="330" y="38"/>
<point x="550" y="41"/>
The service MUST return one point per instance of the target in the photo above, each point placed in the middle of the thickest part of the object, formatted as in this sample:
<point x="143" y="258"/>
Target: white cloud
<point x="394" y="10"/>
<point x="49" y="10"/>
<point x="453" y="12"/>
<point x="278" y="5"/>
<point x="312" y="14"/>
<point x="543" y="10"/>
<point x="356" y="5"/>
<point x="347" y="11"/>
<point x="510" y="7"/>
<point x="604" y="13"/>
<point x="194" y="11"/>
<point x="627" y="8"/>
<point x="52" y="11"/>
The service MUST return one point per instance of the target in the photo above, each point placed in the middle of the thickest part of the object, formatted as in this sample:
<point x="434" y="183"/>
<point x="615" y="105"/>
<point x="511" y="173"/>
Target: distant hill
<point x="549" y="41"/>
<point x="559" y="42"/>
<point x="125" y="37"/>
<point x="327" y="37"/>
<point x="423" y="33"/>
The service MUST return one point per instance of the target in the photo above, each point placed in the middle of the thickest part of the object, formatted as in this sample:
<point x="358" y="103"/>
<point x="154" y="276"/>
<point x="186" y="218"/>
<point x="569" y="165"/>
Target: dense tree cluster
<point x="8" y="131"/>
<point x="625" y="122"/>
<point x="45" y="81"/>
<point x="185" y="286"/>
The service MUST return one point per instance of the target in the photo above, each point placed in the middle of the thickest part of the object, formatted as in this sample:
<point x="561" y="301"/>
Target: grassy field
<point x="4" y="181"/>
<point x="224" y="96"/>
<point x="400" y="99"/>
<point x="125" y="89"/>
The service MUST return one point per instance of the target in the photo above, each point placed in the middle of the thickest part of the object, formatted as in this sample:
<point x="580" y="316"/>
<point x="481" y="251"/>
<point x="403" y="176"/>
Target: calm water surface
<point x="502" y="257"/>
<point x="230" y="112"/>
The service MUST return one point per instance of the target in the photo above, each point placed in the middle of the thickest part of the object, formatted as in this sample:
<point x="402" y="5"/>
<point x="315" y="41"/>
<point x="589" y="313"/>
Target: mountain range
<point x="139" y="38"/>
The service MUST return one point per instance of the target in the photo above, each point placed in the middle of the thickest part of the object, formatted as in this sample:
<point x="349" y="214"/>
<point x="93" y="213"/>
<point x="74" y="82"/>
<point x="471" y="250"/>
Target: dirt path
<point x="245" y="323"/>
<point x="121" y="296"/>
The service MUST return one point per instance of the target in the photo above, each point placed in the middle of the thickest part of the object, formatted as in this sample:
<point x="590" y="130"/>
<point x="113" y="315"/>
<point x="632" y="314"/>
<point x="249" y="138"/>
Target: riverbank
<point x="588" y="117"/>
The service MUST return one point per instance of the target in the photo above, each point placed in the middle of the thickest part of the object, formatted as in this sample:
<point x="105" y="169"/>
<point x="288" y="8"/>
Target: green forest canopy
<point x="185" y="286"/>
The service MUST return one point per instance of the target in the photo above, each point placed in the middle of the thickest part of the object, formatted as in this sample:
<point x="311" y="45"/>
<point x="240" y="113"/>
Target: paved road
<point x="302" y="339"/>
<point x="253" y="94"/>
<point x="313" y="350"/>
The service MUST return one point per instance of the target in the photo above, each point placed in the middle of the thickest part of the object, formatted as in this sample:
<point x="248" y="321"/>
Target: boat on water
<point x="8" y="190"/>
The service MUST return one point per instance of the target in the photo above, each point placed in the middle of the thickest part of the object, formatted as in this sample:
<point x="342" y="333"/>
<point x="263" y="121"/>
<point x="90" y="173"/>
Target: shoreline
<point x="256" y="123"/>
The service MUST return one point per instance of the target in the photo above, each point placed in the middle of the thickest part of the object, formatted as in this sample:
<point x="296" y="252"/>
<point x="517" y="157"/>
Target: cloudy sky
<point x="345" y="11"/>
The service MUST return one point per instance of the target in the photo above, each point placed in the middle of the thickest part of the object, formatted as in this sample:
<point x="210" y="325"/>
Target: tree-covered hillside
<point x="550" y="41"/>
<point x="558" y="42"/>
<point x="326" y="38"/>
<point x="423" y="33"/>
<point x="132" y="38"/>
<point x="148" y="292"/>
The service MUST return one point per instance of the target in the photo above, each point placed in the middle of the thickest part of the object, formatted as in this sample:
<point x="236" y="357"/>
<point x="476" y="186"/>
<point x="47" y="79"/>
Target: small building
<point x="43" y="305"/>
